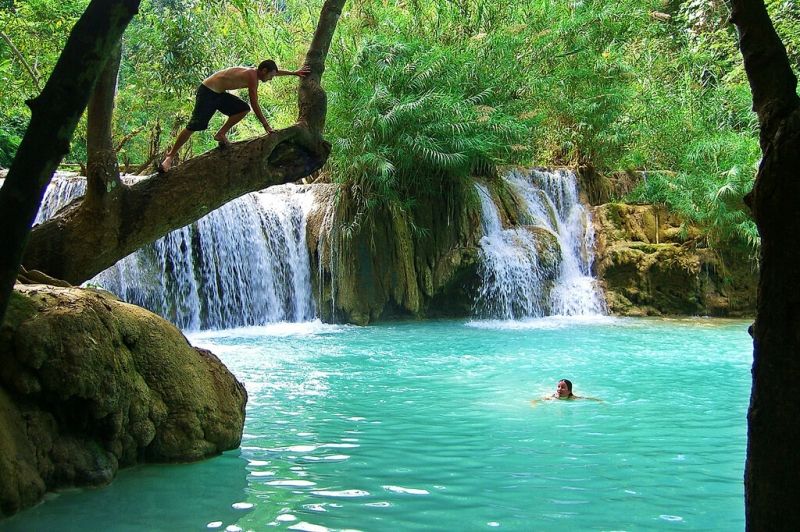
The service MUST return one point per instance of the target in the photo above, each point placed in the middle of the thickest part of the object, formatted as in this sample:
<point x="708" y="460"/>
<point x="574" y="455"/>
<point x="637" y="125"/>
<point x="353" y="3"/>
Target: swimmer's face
<point x="562" y="390"/>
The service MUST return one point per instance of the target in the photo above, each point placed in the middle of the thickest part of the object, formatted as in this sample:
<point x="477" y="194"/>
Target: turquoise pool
<point x="430" y="426"/>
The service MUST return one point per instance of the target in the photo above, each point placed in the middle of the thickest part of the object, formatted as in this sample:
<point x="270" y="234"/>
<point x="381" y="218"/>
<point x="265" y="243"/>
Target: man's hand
<point x="303" y="71"/>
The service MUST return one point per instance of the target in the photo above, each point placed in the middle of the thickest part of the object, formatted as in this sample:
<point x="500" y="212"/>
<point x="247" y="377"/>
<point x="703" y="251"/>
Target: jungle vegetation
<point x="424" y="93"/>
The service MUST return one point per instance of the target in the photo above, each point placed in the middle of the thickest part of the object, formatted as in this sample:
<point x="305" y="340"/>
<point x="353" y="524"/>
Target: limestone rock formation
<point x="413" y="263"/>
<point x="89" y="384"/>
<point x="649" y="264"/>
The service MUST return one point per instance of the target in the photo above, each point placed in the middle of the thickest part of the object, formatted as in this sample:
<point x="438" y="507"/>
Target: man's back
<point x="230" y="79"/>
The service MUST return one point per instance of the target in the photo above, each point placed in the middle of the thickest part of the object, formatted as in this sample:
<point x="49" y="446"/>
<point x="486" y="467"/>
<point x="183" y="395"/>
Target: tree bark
<point x="772" y="469"/>
<point x="75" y="245"/>
<point x="54" y="116"/>
<point x="311" y="98"/>
<point x="102" y="168"/>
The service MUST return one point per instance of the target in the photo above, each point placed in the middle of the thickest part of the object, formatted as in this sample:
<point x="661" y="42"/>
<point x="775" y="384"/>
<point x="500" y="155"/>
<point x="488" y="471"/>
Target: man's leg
<point x="183" y="136"/>
<point x="229" y="123"/>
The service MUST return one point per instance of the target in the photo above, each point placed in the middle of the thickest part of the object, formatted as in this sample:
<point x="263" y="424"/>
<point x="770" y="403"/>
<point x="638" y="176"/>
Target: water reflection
<point x="175" y="496"/>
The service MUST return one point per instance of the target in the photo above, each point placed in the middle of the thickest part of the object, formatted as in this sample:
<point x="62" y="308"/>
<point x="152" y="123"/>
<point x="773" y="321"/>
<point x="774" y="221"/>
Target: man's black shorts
<point x="207" y="101"/>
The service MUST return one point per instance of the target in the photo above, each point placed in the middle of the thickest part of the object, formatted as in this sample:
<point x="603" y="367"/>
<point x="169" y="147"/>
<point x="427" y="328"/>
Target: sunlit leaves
<point x="409" y="115"/>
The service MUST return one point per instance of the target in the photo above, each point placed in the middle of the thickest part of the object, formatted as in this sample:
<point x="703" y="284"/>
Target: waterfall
<point x="542" y="266"/>
<point x="512" y="279"/>
<point x="245" y="263"/>
<point x="61" y="190"/>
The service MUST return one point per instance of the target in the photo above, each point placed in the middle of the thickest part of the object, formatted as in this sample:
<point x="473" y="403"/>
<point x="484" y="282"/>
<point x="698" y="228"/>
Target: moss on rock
<point x="649" y="264"/>
<point x="89" y="384"/>
<point x="396" y="262"/>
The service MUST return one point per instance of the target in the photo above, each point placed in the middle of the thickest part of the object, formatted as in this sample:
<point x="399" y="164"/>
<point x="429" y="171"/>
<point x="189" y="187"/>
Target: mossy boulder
<point x="649" y="263"/>
<point x="394" y="263"/>
<point x="89" y="384"/>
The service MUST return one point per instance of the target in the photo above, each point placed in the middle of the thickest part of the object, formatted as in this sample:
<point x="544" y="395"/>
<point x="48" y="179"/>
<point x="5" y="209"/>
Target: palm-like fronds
<point x="407" y="117"/>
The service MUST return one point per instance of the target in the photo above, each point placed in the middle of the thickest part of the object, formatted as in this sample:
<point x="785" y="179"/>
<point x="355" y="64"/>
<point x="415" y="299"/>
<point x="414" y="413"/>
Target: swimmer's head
<point x="564" y="388"/>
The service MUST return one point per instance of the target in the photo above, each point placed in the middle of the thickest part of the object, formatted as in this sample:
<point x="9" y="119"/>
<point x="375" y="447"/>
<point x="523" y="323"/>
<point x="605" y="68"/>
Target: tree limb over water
<point x="84" y="240"/>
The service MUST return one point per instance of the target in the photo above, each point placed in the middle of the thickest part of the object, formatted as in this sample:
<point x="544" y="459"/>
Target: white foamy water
<point x="517" y="281"/>
<point x="60" y="192"/>
<point x="244" y="264"/>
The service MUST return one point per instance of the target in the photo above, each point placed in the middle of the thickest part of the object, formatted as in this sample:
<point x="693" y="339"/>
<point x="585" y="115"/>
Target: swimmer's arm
<point x="534" y="402"/>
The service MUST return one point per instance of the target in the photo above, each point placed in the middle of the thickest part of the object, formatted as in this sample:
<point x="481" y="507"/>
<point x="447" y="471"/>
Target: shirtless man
<point x="212" y="96"/>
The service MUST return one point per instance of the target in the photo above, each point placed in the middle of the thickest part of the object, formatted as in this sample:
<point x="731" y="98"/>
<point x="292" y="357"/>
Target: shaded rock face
<point x="648" y="267"/>
<point x="89" y="384"/>
<point x="599" y="188"/>
<point x="419" y="262"/>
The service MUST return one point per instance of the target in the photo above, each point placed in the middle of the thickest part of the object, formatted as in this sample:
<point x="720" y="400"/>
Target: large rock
<point x="650" y="264"/>
<point x="89" y="384"/>
<point x="417" y="262"/>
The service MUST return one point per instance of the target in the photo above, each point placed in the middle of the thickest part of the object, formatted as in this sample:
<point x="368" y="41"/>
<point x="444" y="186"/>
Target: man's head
<point x="267" y="70"/>
<point x="564" y="388"/>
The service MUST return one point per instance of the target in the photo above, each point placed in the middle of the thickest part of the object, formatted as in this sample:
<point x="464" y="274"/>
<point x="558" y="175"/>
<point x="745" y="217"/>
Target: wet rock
<point x="89" y="384"/>
<point x="395" y="263"/>
<point x="650" y="264"/>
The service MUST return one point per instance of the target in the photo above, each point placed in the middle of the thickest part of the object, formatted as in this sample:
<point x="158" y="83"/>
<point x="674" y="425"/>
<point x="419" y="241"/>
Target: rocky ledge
<point x="652" y="263"/>
<point x="89" y="384"/>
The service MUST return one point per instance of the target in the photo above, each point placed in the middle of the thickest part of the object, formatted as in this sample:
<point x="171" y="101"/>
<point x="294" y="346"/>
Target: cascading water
<point x="243" y="264"/>
<point x="328" y="247"/>
<point x="60" y="192"/>
<point x="517" y="281"/>
<point x="512" y="279"/>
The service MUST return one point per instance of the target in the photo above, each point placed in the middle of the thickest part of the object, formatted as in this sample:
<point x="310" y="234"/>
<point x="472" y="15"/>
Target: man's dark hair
<point x="568" y="383"/>
<point x="269" y="64"/>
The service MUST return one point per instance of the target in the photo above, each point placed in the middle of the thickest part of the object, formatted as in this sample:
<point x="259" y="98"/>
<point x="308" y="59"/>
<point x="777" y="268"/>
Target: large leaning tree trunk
<point x="54" y="116"/>
<point x="75" y="245"/>
<point x="772" y="470"/>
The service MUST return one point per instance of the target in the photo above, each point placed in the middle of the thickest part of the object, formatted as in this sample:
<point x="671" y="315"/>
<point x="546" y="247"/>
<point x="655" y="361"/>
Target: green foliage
<point x="38" y="30"/>
<point x="423" y="94"/>
<point x="10" y="136"/>
<point x="406" y="118"/>
<point x="709" y="197"/>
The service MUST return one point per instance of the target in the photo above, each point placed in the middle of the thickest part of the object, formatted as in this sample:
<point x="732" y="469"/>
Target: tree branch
<point x="54" y="116"/>
<point x="102" y="179"/>
<point x="127" y="138"/>
<point x="75" y="247"/>
<point x="22" y="60"/>
<point x="312" y="101"/>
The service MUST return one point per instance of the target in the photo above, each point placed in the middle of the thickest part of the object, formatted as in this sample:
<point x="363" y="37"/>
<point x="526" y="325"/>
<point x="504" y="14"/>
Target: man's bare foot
<point x="222" y="140"/>
<point x="165" y="165"/>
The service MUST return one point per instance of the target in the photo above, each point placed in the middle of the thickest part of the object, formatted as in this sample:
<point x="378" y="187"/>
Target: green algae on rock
<point x="89" y="384"/>
<point x="650" y="265"/>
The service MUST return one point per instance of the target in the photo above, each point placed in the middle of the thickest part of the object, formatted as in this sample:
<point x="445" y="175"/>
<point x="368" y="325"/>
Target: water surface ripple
<point x="430" y="426"/>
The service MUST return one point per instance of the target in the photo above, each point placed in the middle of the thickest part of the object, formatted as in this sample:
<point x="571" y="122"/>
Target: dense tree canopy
<point x="644" y="85"/>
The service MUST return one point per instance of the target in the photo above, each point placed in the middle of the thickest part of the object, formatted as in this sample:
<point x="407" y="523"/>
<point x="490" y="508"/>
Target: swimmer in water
<point x="563" y="392"/>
